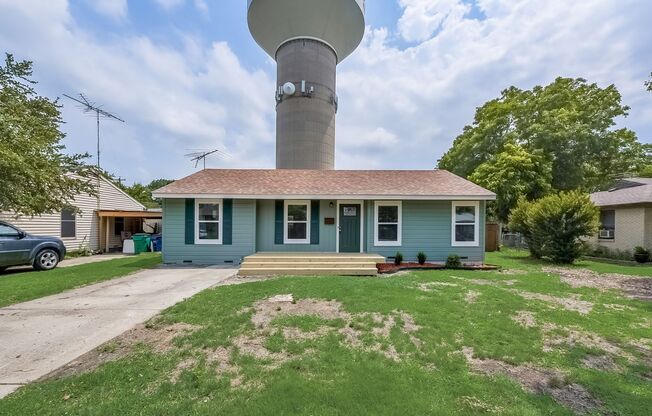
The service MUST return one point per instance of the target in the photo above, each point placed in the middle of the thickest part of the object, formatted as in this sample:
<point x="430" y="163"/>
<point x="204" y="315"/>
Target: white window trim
<point x="220" y="221"/>
<point x="476" y="231"/>
<point x="399" y="236"/>
<point x="286" y="239"/>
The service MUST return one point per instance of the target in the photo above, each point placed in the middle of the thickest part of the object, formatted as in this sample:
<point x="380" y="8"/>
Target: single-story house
<point x="218" y="216"/>
<point x="625" y="215"/>
<point x="96" y="223"/>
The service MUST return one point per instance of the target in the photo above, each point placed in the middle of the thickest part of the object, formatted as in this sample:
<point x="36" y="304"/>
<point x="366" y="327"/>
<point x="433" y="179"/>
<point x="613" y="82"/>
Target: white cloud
<point x="399" y="107"/>
<point x="422" y="18"/>
<point x="169" y="5"/>
<point x="196" y="97"/>
<point x="426" y="93"/>
<point x="115" y="9"/>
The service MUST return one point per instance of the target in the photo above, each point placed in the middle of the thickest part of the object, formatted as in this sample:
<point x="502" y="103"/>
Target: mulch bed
<point x="388" y="268"/>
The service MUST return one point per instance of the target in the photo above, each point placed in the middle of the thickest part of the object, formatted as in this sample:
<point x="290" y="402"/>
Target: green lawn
<point x="445" y="342"/>
<point x="24" y="286"/>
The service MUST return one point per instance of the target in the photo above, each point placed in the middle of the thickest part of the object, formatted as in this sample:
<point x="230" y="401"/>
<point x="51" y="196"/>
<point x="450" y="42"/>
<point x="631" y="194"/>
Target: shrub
<point x="398" y="258"/>
<point x="453" y="261"/>
<point x="421" y="257"/>
<point x="554" y="226"/>
<point x="641" y="254"/>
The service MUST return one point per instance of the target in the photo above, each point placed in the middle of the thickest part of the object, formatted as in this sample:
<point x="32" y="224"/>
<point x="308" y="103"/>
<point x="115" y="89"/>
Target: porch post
<point x="106" y="230"/>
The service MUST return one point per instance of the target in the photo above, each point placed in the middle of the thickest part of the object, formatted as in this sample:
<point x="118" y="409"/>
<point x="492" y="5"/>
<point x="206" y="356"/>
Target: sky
<point x="187" y="75"/>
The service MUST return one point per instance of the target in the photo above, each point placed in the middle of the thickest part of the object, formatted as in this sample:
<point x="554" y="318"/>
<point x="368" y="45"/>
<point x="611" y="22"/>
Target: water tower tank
<point x="307" y="38"/>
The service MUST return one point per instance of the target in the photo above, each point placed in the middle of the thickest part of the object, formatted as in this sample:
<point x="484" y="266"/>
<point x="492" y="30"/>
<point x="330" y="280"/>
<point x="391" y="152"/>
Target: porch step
<point x="312" y="271"/>
<point x="302" y="264"/>
<point x="315" y="258"/>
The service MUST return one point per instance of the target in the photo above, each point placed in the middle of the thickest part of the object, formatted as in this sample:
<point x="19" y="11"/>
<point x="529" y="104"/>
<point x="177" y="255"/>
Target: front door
<point x="349" y="228"/>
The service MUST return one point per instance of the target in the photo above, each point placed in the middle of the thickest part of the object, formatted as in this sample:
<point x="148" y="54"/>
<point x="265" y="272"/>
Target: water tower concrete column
<point x="305" y="120"/>
<point x="307" y="38"/>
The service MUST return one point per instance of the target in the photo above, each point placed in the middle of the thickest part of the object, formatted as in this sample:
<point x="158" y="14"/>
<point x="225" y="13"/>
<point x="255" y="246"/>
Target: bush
<point x="398" y="258"/>
<point x="453" y="261"/>
<point x="641" y="254"/>
<point x="614" y="254"/>
<point x="421" y="257"/>
<point x="554" y="226"/>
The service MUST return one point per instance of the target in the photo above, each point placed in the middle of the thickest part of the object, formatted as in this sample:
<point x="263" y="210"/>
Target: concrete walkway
<point x="92" y="259"/>
<point x="39" y="336"/>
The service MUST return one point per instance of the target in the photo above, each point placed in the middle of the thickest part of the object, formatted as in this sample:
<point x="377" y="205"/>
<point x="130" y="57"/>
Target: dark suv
<point x="18" y="248"/>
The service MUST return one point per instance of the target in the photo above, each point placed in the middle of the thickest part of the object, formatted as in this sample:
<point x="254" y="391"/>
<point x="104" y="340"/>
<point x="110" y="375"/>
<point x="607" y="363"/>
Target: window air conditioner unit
<point x="607" y="234"/>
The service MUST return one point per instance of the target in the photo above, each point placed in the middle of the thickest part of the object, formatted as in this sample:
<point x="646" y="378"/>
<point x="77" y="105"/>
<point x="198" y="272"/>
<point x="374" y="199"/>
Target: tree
<point x="554" y="226"/>
<point x="514" y="174"/>
<point x="648" y="83"/>
<point x="36" y="177"/>
<point x="570" y="121"/>
<point x="143" y="193"/>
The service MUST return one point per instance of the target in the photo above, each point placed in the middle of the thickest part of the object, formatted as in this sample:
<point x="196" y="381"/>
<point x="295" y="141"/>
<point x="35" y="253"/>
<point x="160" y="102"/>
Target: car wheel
<point x="46" y="259"/>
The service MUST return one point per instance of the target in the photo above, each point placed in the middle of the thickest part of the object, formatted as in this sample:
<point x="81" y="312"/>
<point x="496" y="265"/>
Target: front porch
<point x="310" y="264"/>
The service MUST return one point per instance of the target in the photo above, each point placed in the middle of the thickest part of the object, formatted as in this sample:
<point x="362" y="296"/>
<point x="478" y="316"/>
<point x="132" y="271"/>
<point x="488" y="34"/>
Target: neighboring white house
<point x="98" y="225"/>
<point x="625" y="215"/>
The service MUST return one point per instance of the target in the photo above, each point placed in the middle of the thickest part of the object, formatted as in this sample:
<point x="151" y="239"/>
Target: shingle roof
<point x="625" y="192"/>
<point x="270" y="183"/>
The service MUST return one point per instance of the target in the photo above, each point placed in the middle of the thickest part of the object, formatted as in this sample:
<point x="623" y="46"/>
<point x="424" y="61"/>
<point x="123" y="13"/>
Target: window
<point x="208" y="215"/>
<point x="297" y="222"/>
<point x="607" y="225"/>
<point x="466" y="227"/>
<point x="68" y="223"/>
<point x="8" y="232"/>
<point x="388" y="224"/>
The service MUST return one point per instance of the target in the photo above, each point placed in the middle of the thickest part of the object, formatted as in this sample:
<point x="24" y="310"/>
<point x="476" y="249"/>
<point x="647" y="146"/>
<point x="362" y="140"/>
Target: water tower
<point x="307" y="38"/>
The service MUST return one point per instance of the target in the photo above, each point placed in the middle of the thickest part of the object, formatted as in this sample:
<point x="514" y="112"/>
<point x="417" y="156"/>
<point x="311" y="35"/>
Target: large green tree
<point x="143" y="193"/>
<point x="514" y="174"/>
<point x="36" y="176"/>
<point x="570" y="122"/>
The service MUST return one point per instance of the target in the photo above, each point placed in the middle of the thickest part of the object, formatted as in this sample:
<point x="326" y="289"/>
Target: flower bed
<point x="388" y="268"/>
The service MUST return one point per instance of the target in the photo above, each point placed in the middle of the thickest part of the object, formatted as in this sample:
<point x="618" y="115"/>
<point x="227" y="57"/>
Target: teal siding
<point x="426" y="227"/>
<point x="175" y="249"/>
<point x="266" y="226"/>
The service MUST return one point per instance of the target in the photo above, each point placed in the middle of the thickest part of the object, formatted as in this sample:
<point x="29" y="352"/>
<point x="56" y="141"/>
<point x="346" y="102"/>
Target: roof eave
<point x="469" y="197"/>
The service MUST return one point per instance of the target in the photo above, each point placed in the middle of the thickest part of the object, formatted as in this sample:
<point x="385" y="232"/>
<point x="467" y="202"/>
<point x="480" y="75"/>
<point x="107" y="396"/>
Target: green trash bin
<point x="141" y="243"/>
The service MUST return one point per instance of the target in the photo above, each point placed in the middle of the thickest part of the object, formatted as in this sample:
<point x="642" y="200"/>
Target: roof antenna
<point x="201" y="155"/>
<point x="88" y="107"/>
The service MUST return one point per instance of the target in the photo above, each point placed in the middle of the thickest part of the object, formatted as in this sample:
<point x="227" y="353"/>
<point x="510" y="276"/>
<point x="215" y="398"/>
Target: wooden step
<point x="307" y="264"/>
<point x="311" y="271"/>
<point x="317" y="259"/>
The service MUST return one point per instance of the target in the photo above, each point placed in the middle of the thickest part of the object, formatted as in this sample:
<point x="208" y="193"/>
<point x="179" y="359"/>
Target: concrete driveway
<point x="39" y="336"/>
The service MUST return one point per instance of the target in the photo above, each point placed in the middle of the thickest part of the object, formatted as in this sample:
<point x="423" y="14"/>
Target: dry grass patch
<point x="634" y="287"/>
<point x="159" y="339"/>
<point x="572" y="303"/>
<point x="538" y="381"/>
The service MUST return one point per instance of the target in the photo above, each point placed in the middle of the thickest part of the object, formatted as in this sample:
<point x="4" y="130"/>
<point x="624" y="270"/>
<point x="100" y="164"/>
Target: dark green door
<point x="350" y="228"/>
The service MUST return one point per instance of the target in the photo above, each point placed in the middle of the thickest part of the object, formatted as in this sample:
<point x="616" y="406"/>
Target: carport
<point x="114" y="223"/>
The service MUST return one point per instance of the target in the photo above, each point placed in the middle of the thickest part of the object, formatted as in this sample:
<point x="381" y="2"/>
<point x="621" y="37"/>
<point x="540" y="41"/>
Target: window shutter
<point x="314" y="222"/>
<point x="227" y="228"/>
<point x="190" y="221"/>
<point x="278" y="228"/>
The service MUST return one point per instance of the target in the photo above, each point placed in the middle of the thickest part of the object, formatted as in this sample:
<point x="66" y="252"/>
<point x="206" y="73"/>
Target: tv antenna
<point x="89" y="107"/>
<point x="200" y="156"/>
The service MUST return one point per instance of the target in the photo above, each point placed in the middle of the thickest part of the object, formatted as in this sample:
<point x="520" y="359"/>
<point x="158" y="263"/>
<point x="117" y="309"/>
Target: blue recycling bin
<point x="157" y="242"/>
